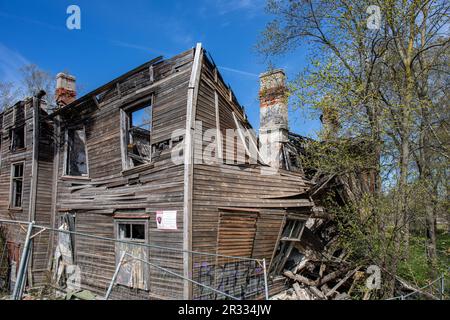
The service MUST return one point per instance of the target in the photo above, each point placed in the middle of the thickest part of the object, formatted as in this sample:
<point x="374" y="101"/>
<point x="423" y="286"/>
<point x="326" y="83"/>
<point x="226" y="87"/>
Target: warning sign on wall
<point x="166" y="220"/>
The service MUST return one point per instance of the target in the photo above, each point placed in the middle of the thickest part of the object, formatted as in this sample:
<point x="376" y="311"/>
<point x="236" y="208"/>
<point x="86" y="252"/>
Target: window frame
<point x="15" y="126"/>
<point x="124" y="242"/>
<point x="291" y="230"/>
<point x="11" y="190"/>
<point x="12" y="146"/>
<point x="66" y="153"/>
<point x="131" y="221"/>
<point x="125" y="122"/>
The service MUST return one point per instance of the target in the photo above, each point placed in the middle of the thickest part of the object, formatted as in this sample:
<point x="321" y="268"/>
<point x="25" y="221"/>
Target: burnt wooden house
<point x="135" y="160"/>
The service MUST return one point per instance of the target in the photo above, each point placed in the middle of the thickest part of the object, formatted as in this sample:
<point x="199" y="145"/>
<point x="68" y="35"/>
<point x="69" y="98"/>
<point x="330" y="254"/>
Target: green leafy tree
<point x="375" y="82"/>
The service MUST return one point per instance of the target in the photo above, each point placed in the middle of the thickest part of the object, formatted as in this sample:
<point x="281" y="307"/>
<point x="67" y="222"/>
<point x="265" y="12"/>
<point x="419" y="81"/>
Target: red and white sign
<point x="166" y="220"/>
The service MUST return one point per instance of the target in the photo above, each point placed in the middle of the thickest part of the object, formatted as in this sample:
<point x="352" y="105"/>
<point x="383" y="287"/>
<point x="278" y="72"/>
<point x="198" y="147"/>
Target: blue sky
<point x="117" y="36"/>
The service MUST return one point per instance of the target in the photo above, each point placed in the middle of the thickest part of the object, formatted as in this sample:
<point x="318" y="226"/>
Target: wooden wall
<point x="142" y="190"/>
<point x="220" y="185"/>
<point x="8" y="158"/>
<point x="110" y="191"/>
<point x="44" y="192"/>
<point x="42" y="216"/>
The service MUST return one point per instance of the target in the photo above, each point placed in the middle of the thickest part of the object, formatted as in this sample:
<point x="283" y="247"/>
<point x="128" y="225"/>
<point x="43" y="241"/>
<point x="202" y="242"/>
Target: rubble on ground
<point x="317" y="269"/>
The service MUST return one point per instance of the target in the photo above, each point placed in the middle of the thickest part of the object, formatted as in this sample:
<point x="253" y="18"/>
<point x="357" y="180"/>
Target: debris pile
<point x="310" y="256"/>
<point x="317" y="268"/>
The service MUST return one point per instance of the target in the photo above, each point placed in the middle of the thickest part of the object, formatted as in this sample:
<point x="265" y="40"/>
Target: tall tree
<point x="373" y="66"/>
<point x="7" y="95"/>
<point x="35" y="79"/>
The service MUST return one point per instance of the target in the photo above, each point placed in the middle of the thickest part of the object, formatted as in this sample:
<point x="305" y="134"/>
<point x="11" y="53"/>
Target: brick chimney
<point x="273" y="132"/>
<point x="329" y="119"/>
<point x="65" y="89"/>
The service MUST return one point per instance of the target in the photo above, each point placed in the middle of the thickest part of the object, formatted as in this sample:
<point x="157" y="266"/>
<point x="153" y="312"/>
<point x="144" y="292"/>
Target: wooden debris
<point x="321" y="272"/>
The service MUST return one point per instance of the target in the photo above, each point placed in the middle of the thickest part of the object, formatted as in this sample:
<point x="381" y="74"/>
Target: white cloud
<point x="30" y="21"/>
<point x="245" y="73"/>
<point x="139" y="47"/>
<point x="228" y="6"/>
<point x="10" y="63"/>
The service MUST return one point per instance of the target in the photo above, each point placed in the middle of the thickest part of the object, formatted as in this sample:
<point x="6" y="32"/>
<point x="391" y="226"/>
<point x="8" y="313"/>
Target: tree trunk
<point x="405" y="218"/>
<point x="427" y="178"/>
<point x="431" y="239"/>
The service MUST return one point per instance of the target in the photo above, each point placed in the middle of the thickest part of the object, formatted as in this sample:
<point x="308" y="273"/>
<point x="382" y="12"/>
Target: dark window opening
<point x="138" y="231"/>
<point x="124" y="231"/>
<point x="76" y="153"/>
<point x="139" y="127"/>
<point x="18" y="138"/>
<point x="132" y="231"/>
<point x="17" y="185"/>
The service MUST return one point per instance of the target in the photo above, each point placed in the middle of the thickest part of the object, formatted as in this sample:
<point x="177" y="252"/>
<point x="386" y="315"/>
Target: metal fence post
<point x="442" y="286"/>
<point x="211" y="268"/>
<point x="113" y="280"/>
<point x="20" y="278"/>
<point x="266" y="287"/>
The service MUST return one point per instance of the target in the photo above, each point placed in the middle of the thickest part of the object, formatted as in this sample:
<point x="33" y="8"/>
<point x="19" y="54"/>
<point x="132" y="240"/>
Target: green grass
<point x="416" y="269"/>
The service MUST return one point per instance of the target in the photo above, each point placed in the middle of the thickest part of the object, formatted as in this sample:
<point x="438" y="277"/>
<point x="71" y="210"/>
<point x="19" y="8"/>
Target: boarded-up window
<point x="236" y="233"/>
<point x="134" y="272"/>
<point x="76" y="158"/>
<point x="16" y="185"/>
<point x="64" y="270"/>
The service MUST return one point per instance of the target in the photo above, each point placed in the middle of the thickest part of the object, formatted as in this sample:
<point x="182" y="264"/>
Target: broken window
<point x="17" y="185"/>
<point x="76" y="155"/>
<point x="134" y="272"/>
<point x="137" y="126"/>
<point x="17" y="138"/>
<point x="286" y="250"/>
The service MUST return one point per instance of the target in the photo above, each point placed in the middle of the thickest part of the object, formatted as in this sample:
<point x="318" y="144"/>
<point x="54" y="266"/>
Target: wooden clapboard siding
<point x="218" y="185"/>
<point x="224" y="185"/>
<point x="151" y="188"/>
<point x="22" y="113"/>
<point x="236" y="234"/>
<point x="8" y="158"/>
<point x="44" y="192"/>
<point x="15" y="234"/>
<point x="162" y="185"/>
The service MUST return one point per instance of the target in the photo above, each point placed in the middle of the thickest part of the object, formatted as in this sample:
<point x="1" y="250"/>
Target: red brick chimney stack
<point x="65" y="89"/>
<point x="273" y="133"/>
